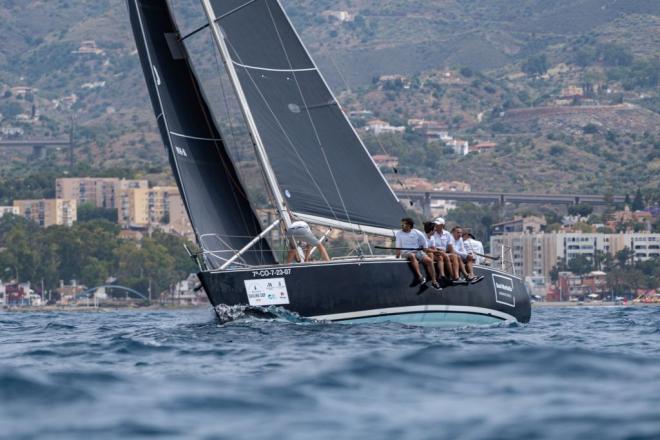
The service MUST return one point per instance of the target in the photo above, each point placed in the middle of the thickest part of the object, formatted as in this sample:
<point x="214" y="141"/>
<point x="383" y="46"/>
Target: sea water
<point x="574" y="372"/>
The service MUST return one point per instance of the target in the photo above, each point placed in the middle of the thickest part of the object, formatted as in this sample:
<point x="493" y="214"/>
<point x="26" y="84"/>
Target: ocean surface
<point x="574" y="372"/>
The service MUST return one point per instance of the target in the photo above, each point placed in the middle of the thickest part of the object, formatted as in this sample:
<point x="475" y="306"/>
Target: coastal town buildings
<point x="98" y="191"/>
<point x="160" y="205"/>
<point x="378" y="127"/>
<point x="386" y="162"/>
<point x="592" y="285"/>
<point x="529" y="224"/>
<point x="137" y="205"/>
<point x="537" y="253"/>
<point x="48" y="212"/>
<point x="482" y="147"/>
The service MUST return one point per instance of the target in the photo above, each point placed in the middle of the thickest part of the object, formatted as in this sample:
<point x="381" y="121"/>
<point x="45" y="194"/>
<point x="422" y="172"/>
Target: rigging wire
<point x="309" y="115"/>
<point x="281" y="127"/>
<point x="232" y="131"/>
<point x="238" y="194"/>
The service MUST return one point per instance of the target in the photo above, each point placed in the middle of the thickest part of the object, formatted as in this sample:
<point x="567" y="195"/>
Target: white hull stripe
<point x="245" y="66"/>
<point x="194" y="137"/>
<point x="416" y="309"/>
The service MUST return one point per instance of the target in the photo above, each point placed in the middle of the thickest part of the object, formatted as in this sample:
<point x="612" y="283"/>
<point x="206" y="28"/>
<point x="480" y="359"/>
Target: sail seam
<point x="195" y="137"/>
<point x="269" y="69"/>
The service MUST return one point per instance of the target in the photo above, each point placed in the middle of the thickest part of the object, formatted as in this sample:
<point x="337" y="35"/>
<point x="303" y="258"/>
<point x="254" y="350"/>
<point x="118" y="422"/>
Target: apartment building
<point x="48" y="212"/>
<point x="102" y="192"/>
<point x="537" y="253"/>
<point x="160" y="205"/>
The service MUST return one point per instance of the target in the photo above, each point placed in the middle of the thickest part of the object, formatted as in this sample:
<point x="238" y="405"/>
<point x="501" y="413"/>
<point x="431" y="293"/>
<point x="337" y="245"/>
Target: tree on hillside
<point x="581" y="209"/>
<point x="616" y="55"/>
<point x="585" y="56"/>
<point x="638" y="201"/>
<point x="536" y="65"/>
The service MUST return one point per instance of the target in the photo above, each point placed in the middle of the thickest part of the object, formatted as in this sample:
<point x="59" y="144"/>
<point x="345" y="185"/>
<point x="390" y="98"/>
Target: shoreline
<point x="101" y="309"/>
<point x="592" y="304"/>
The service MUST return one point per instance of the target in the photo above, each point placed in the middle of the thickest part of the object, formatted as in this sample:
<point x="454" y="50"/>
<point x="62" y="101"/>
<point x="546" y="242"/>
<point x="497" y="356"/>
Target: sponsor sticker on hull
<point x="267" y="292"/>
<point x="503" y="287"/>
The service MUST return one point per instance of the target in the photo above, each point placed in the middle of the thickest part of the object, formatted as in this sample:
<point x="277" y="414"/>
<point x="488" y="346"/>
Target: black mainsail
<point x="218" y="208"/>
<point x="322" y="168"/>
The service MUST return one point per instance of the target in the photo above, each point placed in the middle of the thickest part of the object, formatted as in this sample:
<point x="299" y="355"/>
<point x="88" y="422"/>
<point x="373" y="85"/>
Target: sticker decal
<point x="267" y="292"/>
<point x="504" y="290"/>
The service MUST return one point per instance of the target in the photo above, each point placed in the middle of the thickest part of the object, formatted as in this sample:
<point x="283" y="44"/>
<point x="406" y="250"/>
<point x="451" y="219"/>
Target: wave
<point x="16" y="387"/>
<point x="226" y="314"/>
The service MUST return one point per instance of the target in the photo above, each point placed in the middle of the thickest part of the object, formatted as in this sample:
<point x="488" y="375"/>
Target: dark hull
<point x="376" y="290"/>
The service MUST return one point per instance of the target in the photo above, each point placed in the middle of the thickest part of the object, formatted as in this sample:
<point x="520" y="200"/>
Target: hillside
<point x="489" y="71"/>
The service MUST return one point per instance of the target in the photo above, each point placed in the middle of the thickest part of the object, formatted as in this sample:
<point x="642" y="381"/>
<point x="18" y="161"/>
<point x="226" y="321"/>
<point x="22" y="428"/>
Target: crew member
<point x="474" y="247"/>
<point x="443" y="245"/>
<point x="433" y="252"/>
<point x="300" y="231"/>
<point x="466" y="260"/>
<point x="411" y="244"/>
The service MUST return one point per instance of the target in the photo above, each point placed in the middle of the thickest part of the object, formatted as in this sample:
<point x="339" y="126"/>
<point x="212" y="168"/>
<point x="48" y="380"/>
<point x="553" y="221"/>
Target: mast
<point x="262" y="157"/>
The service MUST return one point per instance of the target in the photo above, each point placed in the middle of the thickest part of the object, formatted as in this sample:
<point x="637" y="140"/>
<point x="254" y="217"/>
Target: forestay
<point x="322" y="168"/>
<point x="214" y="198"/>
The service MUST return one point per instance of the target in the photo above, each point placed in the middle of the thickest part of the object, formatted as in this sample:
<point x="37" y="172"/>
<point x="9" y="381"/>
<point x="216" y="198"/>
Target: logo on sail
<point x="181" y="152"/>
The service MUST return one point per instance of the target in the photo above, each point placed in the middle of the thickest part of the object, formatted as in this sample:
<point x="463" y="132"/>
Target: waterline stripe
<point x="416" y="309"/>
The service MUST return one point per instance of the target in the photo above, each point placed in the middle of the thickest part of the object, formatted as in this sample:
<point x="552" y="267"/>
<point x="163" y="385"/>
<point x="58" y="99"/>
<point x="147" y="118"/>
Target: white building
<point x="461" y="148"/>
<point x="339" y="15"/>
<point x="378" y="127"/>
<point x="537" y="253"/>
<point x="8" y="210"/>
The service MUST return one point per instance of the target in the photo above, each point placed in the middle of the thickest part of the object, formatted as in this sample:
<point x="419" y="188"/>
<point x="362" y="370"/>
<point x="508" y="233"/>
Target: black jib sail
<point x="221" y="215"/>
<point x="322" y="167"/>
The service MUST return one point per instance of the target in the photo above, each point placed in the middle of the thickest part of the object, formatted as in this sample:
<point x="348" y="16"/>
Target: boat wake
<point x="226" y="314"/>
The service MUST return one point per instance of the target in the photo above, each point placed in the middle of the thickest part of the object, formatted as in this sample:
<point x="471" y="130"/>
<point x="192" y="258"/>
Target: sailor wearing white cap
<point x="443" y="243"/>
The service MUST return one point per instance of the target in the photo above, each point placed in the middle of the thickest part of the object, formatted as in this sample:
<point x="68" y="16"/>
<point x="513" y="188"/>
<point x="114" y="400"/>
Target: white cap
<point x="439" y="221"/>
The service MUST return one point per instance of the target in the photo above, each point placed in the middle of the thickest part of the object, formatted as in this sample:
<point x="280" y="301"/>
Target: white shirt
<point x="459" y="247"/>
<point x="412" y="240"/>
<point x="442" y="240"/>
<point x="475" y="247"/>
<point x="299" y="224"/>
<point x="430" y="242"/>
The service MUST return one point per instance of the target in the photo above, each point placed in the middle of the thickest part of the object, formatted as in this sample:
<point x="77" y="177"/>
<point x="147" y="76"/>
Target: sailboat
<point x="315" y="168"/>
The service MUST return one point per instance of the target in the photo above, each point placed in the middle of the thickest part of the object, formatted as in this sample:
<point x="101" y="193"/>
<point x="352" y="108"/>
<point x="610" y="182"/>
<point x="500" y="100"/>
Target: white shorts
<point x="419" y="255"/>
<point x="301" y="233"/>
